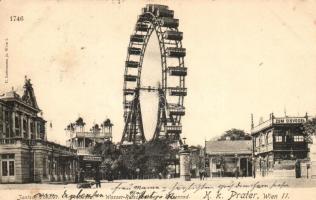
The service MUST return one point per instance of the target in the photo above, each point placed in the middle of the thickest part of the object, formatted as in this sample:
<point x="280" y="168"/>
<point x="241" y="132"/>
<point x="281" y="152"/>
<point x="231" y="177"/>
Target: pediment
<point x="28" y="94"/>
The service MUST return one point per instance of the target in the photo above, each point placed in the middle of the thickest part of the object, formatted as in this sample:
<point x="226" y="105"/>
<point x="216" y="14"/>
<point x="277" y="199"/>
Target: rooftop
<point x="25" y="96"/>
<point x="287" y="120"/>
<point x="228" y="147"/>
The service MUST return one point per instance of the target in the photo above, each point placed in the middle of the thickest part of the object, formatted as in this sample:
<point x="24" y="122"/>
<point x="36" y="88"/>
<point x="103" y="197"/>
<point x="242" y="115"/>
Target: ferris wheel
<point x="171" y="91"/>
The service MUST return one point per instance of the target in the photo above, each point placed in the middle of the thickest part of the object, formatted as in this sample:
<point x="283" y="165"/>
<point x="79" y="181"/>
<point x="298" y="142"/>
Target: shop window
<point x="278" y="139"/>
<point x="298" y="138"/>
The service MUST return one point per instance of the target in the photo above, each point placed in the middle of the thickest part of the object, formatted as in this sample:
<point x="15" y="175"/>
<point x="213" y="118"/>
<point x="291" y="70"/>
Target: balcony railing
<point x="84" y="150"/>
<point x="278" y="121"/>
<point x="261" y="126"/>
<point x="92" y="135"/>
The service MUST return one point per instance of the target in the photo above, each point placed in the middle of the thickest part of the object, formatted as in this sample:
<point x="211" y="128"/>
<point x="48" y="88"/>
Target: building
<point x="277" y="144"/>
<point x="228" y="158"/>
<point x="85" y="141"/>
<point x="25" y="154"/>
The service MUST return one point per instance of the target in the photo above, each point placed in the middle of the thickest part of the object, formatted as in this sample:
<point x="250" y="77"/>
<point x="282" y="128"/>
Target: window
<point x="25" y="128"/>
<point x="32" y="127"/>
<point x="7" y="156"/>
<point x="6" y="123"/>
<point x="257" y="141"/>
<point x="17" y="122"/>
<point x="298" y="138"/>
<point x="7" y="164"/>
<point x="17" y="126"/>
<point x="11" y="168"/>
<point x="270" y="137"/>
<point x="278" y="138"/>
<point x="4" y="168"/>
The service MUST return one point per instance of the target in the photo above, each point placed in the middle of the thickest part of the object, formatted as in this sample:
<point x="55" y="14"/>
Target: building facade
<point x="25" y="154"/>
<point x="228" y="158"/>
<point x="85" y="141"/>
<point x="278" y="144"/>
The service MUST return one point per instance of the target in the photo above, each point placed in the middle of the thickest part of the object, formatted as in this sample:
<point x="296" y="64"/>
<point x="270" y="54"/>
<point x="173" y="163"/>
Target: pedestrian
<point x="97" y="179"/>
<point x="203" y="174"/>
<point x="110" y="176"/>
<point x="237" y="172"/>
<point x="160" y="175"/>
<point x="81" y="175"/>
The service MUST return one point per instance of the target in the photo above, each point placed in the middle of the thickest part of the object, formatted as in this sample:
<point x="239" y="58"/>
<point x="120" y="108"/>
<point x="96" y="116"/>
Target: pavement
<point x="168" y="183"/>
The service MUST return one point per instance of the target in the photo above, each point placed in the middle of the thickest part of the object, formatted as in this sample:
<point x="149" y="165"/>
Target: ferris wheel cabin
<point x="169" y="22"/>
<point x="177" y="110"/>
<point x="164" y="13"/>
<point x="154" y="7"/>
<point x="173" y="35"/>
<point x="132" y="64"/>
<point x="144" y="18"/>
<point x="173" y="129"/>
<point x="175" y="52"/>
<point x="134" y="51"/>
<point x="177" y="71"/>
<point x="131" y="78"/>
<point x="177" y="91"/>
<point x="137" y="38"/>
<point x="142" y="27"/>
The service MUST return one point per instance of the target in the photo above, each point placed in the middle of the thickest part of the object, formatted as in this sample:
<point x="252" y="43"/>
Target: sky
<point x="243" y="57"/>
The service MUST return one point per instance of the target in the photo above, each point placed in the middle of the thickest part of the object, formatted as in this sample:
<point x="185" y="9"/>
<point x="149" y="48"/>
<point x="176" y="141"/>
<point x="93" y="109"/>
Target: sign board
<point x="92" y="158"/>
<point x="289" y="120"/>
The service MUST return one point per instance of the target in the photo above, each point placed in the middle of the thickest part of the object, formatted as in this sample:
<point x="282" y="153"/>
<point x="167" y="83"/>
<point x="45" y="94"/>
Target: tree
<point x="131" y="158"/>
<point x="309" y="129"/>
<point x="70" y="127"/>
<point x="158" y="156"/>
<point x="79" y="122"/>
<point x="106" y="149"/>
<point x="131" y="161"/>
<point x="95" y="128"/>
<point x="235" y="134"/>
<point x="110" y="155"/>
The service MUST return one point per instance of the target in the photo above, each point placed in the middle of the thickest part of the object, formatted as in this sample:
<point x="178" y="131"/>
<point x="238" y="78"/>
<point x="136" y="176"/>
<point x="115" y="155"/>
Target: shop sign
<point x="290" y="120"/>
<point x="92" y="158"/>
